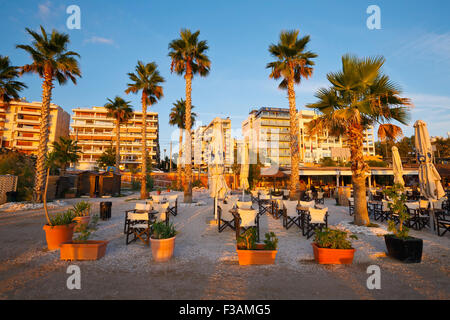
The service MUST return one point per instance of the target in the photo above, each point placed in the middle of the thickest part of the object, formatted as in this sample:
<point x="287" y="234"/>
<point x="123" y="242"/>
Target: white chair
<point x="138" y="208"/>
<point x="308" y="204"/>
<point x="158" y="198"/>
<point x="316" y="219"/>
<point x="173" y="204"/>
<point x="247" y="205"/>
<point x="224" y="217"/>
<point x="137" y="224"/>
<point x="320" y="198"/>
<point x="162" y="211"/>
<point x="249" y="219"/>
<point x="254" y="195"/>
<point x="291" y="214"/>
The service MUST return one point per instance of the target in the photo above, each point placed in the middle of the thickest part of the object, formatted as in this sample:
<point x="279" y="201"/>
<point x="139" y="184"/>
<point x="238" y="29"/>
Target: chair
<point x="385" y="211"/>
<point x="442" y="223"/>
<point x="320" y="198"/>
<point x="316" y="219"/>
<point x="264" y="204"/>
<point x="162" y="212"/>
<point x="247" y="205"/>
<point x="158" y="198"/>
<point x="224" y="217"/>
<point x="139" y="225"/>
<point x="308" y="204"/>
<point x="351" y="206"/>
<point x="285" y="194"/>
<point x="309" y="195"/>
<point x="291" y="214"/>
<point x="254" y="195"/>
<point x="173" y="204"/>
<point x="138" y="208"/>
<point x="249" y="219"/>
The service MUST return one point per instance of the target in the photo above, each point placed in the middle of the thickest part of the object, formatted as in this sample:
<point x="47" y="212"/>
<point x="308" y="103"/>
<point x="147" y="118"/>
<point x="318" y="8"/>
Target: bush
<point x="197" y="184"/>
<point x="163" y="231"/>
<point x="136" y="184"/>
<point x="21" y="165"/>
<point x="63" y="218"/>
<point x="333" y="239"/>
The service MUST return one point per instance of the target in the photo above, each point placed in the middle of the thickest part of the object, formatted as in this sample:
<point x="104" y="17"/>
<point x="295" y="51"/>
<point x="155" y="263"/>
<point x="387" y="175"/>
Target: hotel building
<point x="95" y="133"/>
<point x="267" y="130"/>
<point x="20" y="122"/>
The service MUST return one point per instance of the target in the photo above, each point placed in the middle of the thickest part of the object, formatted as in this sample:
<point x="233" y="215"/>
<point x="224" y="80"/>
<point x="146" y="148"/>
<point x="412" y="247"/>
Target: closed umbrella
<point x="429" y="178"/>
<point x="218" y="185"/>
<point x="243" y="176"/>
<point x="397" y="166"/>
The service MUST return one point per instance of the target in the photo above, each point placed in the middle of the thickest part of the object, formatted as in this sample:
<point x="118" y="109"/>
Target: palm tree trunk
<point x="144" y="148"/>
<point x="188" y="144"/>
<point x="117" y="145"/>
<point x="45" y="198"/>
<point x="180" y="155"/>
<point x="293" y="132"/>
<point x="47" y="86"/>
<point x="359" y="171"/>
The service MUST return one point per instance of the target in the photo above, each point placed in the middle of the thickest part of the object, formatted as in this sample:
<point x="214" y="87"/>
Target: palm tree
<point x="292" y="64"/>
<point x="177" y="118"/>
<point x="51" y="60"/>
<point x="67" y="151"/>
<point x="121" y="111"/>
<point x="360" y="96"/>
<point x="9" y="86"/>
<point x="188" y="56"/>
<point x="147" y="79"/>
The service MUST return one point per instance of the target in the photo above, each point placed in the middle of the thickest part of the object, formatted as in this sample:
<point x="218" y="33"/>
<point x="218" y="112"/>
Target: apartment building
<point x="96" y="132"/>
<point x="20" y="122"/>
<point x="267" y="130"/>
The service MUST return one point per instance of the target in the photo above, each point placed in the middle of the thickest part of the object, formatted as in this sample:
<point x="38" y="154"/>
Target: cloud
<point x="100" y="40"/>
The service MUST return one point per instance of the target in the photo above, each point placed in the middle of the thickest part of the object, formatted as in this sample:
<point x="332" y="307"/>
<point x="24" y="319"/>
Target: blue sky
<point x="414" y="38"/>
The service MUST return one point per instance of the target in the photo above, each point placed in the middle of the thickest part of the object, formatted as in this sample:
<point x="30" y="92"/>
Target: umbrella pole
<point x="432" y="213"/>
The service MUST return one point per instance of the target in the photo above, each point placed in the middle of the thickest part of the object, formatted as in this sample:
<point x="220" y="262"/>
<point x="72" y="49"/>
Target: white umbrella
<point x="397" y="166"/>
<point x="429" y="178"/>
<point x="218" y="186"/>
<point x="243" y="176"/>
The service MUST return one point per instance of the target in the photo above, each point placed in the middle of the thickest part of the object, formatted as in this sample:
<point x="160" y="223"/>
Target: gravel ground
<point x="205" y="263"/>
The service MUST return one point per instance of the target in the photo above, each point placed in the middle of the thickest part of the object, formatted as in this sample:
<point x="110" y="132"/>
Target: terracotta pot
<point x="333" y="256"/>
<point x="258" y="256"/>
<point x="86" y="250"/>
<point x="162" y="249"/>
<point x="158" y="192"/>
<point x="55" y="235"/>
<point x="168" y="190"/>
<point x="80" y="221"/>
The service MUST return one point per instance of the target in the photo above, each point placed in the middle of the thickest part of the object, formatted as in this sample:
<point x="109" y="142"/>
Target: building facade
<point x="20" y="121"/>
<point x="95" y="132"/>
<point x="267" y="130"/>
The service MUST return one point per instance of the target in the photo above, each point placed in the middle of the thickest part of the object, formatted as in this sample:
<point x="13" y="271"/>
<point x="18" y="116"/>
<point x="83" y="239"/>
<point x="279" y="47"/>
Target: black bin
<point x="105" y="210"/>
<point x="11" y="196"/>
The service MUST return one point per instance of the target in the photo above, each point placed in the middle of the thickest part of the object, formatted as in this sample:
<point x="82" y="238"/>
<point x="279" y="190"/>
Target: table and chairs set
<point x="139" y="221"/>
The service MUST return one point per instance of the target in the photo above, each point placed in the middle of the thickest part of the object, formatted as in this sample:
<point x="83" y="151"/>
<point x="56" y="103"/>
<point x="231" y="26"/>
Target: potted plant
<point x="81" y="248"/>
<point x="59" y="229"/>
<point x="82" y="212"/>
<point x="249" y="252"/>
<point x="158" y="191"/>
<point x="331" y="246"/>
<point x="399" y="244"/>
<point x="162" y="241"/>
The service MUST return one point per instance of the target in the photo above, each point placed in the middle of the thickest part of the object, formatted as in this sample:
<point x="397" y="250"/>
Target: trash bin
<point x="11" y="196"/>
<point x="105" y="210"/>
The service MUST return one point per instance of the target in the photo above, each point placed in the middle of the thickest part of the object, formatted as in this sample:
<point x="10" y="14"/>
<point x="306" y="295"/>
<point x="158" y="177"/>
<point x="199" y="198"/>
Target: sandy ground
<point x="205" y="263"/>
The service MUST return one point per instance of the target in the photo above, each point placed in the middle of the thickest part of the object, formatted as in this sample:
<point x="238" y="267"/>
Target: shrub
<point x="197" y="184"/>
<point x="63" y="218"/>
<point x="163" y="231"/>
<point x="398" y="208"/>
<point x="247" y="240"/>
<point x="85" y="231"/>
<point x="82" y="208"/>
<point x="333" y="239"/>
<point x="271" y="241"/>
<point x="136" y="184"/>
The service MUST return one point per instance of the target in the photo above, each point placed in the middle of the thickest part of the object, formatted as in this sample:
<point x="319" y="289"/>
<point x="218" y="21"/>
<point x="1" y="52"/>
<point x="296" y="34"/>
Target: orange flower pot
<point x="333" y="256"/>
<point x="162" y="249"/>
<point x="86" y="250"/>
<point x="258" y="256"/>
<point x="55" y="235"/>
<point x="83" y="220"/>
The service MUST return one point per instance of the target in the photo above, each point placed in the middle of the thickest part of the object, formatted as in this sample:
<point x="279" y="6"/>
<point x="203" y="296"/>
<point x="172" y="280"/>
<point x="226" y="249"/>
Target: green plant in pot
<point x="399" y="244"/>
<point x="331" y="246"/>
<point x="81" y="248"/>
<point x="162" y="241"/>
<point x="82" y="212"/>
<point x="250" y="252"/>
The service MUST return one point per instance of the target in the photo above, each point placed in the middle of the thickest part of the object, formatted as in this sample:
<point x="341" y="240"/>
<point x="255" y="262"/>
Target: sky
<point x="414" y="38"/>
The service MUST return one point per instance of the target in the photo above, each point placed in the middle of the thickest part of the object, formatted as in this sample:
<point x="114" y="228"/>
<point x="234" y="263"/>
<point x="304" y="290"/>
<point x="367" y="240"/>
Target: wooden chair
<point x="138" y="208"/>
<point x="316" y="219"/>
<point x="442" y="223"/>
<point x="162" y="212"/>
<point x="138" y="225"/>
<point x="247" y="205"/>
<point x="249" y="219"/>
<point x="320" y="199"/>
<point x="173" y="204"/>
<point x="291" y="214"/>
<point x="224" y="217"/>
<point x="264" y="204"/>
